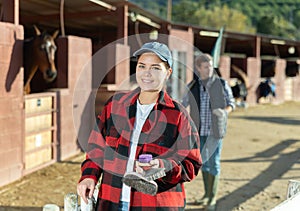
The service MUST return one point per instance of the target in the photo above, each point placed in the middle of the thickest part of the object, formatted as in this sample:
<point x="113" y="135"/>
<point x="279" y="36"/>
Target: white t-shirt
<point x="142" y="112"/>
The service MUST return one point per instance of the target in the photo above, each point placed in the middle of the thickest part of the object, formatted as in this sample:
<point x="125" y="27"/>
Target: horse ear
<point x="37" y="31"/>
<point x="55" y="34"/>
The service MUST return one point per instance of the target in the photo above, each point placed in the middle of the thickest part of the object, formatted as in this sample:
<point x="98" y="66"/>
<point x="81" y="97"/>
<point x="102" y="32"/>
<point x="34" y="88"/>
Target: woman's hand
<point x="86" y="188"/>
<point x="154" y="163"/>
<point x="142" y="167"/>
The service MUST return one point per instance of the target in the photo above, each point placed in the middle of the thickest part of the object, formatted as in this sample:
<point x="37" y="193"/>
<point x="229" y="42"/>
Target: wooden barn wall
<point x="11" y="102"/>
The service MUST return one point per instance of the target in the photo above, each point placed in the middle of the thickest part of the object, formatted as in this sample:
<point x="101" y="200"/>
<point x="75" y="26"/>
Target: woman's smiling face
<point x="151" y="72"/>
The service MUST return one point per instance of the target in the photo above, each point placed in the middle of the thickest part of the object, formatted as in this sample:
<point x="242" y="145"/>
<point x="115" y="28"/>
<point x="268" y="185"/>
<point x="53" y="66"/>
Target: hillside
<point x="273" y="17"/>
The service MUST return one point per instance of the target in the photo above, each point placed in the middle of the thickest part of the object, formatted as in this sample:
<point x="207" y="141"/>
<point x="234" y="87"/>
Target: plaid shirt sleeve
<point x="92" y="166"/>
<point x="185" y="162"/>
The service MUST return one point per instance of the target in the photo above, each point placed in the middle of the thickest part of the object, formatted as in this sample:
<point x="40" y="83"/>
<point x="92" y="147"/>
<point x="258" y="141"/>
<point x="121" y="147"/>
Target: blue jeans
<point x="210" y="149"/>
<point x="123" y="206"/>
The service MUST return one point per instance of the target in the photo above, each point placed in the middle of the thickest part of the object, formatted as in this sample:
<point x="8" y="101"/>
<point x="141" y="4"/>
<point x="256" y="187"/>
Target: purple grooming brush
<point x="145" y="158"/>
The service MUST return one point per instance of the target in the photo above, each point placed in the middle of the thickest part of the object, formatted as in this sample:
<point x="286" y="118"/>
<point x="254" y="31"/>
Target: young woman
<point x="143" y="121"/>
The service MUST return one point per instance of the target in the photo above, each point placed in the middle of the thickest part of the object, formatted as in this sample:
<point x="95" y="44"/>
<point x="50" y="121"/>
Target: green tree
<point x="274" y="17"/>
<point x="220" y="16"/>
<point x="296" y="18"/>
<point x="184" y="12"/>
<point x="277" y="26"/>
<point x="271" y="16"/>
<point x="156" y="7"/>
<point x="285" y="29"/>
<point x="266" y="25"/>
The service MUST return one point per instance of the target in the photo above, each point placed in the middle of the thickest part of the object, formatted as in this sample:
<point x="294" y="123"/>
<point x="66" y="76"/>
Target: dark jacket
<point x="216" y="91"/>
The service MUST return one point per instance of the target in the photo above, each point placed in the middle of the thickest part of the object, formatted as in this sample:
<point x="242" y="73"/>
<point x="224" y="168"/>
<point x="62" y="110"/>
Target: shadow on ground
<point x="275" y="171"/>
<point x="277" y="120"/>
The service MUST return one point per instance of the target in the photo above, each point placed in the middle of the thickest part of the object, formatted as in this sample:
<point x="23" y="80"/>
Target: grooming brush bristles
<point x="144" y="183"/>
<point x="140" y="183"/>
<point x="154" y="173"/>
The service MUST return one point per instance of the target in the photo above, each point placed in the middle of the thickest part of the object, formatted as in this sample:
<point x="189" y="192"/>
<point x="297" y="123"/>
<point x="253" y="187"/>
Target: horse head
<point x="39" y="53"/>
<point x="45" y="48"/>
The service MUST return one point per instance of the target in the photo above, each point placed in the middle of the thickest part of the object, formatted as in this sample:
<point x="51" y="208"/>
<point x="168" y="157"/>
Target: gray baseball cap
<point x="160" y="49"/>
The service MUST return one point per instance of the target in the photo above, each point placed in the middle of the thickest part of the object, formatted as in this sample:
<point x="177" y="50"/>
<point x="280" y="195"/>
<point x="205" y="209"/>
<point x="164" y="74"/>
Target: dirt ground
<point x="261" y="153"/>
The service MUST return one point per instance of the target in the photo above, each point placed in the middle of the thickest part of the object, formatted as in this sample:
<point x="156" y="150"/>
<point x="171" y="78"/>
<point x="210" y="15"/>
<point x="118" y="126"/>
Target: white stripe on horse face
<point x="50" y="49"/>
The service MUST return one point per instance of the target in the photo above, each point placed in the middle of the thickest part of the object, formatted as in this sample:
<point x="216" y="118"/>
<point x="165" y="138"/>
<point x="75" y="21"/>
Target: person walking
<point x="210" y="99"/>
<point x="145" y="121"/>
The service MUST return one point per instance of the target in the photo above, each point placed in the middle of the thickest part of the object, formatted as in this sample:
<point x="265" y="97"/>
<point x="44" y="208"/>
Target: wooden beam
<point x="74" y="15"/>
<point x="257" y="49"/>
<point x="122" y="23"/>
<point x="11" y="11"/>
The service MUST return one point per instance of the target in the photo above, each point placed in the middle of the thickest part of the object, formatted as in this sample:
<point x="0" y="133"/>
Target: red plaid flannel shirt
<point x="168" y="134"/>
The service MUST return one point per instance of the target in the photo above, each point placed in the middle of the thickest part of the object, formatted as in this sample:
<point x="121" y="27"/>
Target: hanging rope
<point x="62" y="21"/>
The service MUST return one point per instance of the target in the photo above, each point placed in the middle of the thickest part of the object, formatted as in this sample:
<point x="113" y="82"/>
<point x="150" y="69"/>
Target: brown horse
<point x="39" y="53"/>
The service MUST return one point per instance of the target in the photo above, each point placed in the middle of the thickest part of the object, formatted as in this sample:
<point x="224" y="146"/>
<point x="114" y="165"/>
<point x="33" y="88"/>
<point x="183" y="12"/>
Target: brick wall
<point x="11" y="102"/>
<point x="296" y="88"/>
<point x="279" y="79"/>
<point x="74" y="55"/>
<point x="184" y="41"/>
<point x="253" y="73"/>
<point x="122" y="63"/>
<point x="225" y="63"/>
